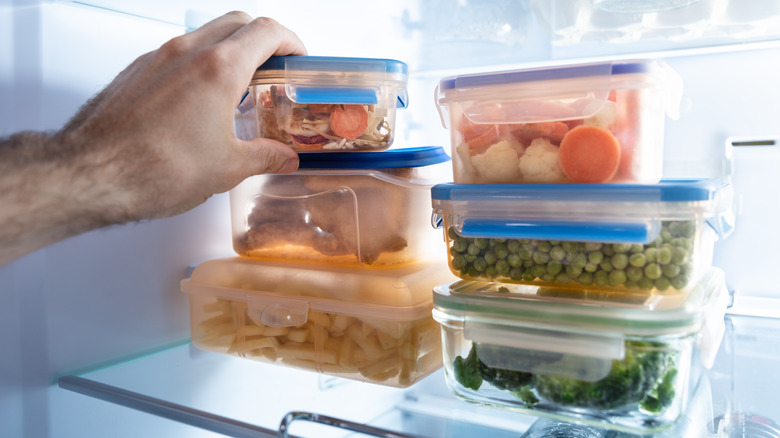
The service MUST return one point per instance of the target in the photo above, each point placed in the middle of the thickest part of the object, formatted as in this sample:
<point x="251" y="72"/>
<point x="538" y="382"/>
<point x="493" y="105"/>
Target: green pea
<point x="539" y="270"/>
<point x="543" y="246"/>
<point x="453" y="252"/>
<point x="490" y="257"/>
<point x="502" y="267"/>
<point x="527" y="276"/>
<point x="526" y="252"/>
<point x="595" y="257"/>
<point x="621" y="247"/>
<point x="664" y="255"/>
<point x="460" y="245"/>
<point x="491" y="272"/>
<point x="617" y="277"/>
<point x="579" y="260"/>
<point x="473" y="249"/>
<point x="516" y="274"/>
<point x="474" y="273"/>
<point x="562" y="278"/>
<point x="480" y="265"/>
<point x="548" y="278"/>
<point x="636" y="248"/>
<point x="679" y="282"/>
<point x="619" y="261"/>
<point x="653" y="271"/>
<point x="638" y="259"/>
<point x="469" y="258"/>
<point x="591" y="267"/>
<point x="634" y="273"/>
<point x="679" y="256"/>
<point x="481" y="242"/>
<point x="645" y="283"/>
<point x="557" y="253"/>
<point x="570" y="247"/>
<point x="499" y="241"/>
<point x="554" y="267"/>
<point x="651" y="255"/>
<point x="592" y="246"/>
<point x="666" y="235"/>
<point x="501" y="250"/>
<point x="670" y="270"/>
<point x="606" y="266"/>
<point x="662" y="283"/>
<point x="513" y="246"/>
<point x="528" y="264"/>
<point x="585" y="278"/>
<point x="514" y="260"/>
<point x="631" y="284"/>
<point x="541" y="258"/>
<point x="458" y="262"/>
<point x="608" y="250"/>
<point x="452" y="233"/>
<point x="573" y="271"/>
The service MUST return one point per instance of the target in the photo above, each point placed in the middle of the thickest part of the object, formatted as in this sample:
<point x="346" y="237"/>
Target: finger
<point x="217" y="29"/>
<point x="262" y="38"/>
<point x="262" y="155"/>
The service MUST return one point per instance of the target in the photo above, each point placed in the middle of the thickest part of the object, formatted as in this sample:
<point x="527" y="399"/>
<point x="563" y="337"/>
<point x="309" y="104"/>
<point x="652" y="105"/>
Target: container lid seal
<point x="389" y="159"/>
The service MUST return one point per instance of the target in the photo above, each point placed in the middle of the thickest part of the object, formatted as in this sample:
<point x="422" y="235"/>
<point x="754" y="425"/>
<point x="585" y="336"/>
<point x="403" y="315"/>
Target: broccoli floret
<point x="467" y="370"/>
<point x="640" y="374"/>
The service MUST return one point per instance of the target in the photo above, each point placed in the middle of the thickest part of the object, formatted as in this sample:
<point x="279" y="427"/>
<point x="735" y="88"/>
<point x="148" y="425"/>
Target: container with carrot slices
<point x="324" y="104"/>
<point x="649" y="239"/>
<point x="585" y="123"/>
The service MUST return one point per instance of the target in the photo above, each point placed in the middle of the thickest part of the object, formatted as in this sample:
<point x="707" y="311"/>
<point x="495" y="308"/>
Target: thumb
<point x="264" y="155"/>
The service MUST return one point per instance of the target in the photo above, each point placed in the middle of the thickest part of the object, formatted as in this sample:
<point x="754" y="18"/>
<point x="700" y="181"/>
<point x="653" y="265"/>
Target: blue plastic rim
<point x="672" y="190"/>
<point x="334" y="63"/>
<point x="389" y="159"/>
<point x="545" y="74"/>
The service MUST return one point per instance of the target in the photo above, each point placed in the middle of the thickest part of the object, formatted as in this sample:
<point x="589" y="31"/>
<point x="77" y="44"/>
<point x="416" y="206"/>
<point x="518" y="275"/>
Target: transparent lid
<point x="389" y="293"/>
<point x="553" y="93"/>
<point x="582" y="212"/>
<point x="587" y="324"/>
<point x="324" y="79"/>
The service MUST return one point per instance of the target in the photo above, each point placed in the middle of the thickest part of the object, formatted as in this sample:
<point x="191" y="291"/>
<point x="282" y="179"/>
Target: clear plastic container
<point x="648" y="239"/>
<point x="367" y="209"/>
<point x="588" y="123"/>
<point x="314" y="103"/>
<point x="599" y="361"/>
<point x="372" y="326"/>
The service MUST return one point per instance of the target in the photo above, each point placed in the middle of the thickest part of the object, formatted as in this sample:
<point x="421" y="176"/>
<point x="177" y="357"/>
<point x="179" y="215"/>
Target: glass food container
<point x="649" y="239"/>
<point x="315" y="103"/>
<point x="368" y="209"/>
<point x="586" y="123"/>
<point x="595" y="359"/>
<point x="373" y="326"/>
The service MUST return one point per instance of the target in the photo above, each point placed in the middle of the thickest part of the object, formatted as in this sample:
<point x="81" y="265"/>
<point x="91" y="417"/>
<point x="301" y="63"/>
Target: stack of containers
<point x="586" y="279"/>
<point x="336" y="262"/>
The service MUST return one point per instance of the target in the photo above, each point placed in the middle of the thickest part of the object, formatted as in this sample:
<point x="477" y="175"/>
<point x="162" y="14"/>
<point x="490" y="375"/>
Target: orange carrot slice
<point x="479" y="137"/>
<point x="589" y="154"/>
<point x="349" y="121"/>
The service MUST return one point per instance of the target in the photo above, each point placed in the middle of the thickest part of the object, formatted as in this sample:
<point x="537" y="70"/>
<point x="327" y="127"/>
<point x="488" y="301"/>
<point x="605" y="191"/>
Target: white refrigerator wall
<point x="114" y="293"/>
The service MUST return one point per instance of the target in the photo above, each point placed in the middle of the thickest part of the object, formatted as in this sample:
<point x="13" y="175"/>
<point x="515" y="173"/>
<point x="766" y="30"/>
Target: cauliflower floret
<point x="539" y="163"/>
<point x="498" y="164"/>
<point x="605" y="117"/>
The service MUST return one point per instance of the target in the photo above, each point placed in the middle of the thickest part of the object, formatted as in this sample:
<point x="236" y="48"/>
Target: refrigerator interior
<point x="112" y="297"/>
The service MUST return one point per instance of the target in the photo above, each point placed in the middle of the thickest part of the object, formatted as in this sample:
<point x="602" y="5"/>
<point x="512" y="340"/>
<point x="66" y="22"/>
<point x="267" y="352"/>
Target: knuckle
<point x="174" y="47"/>
<point x="239" y="16"/>
<point x="215" y="61"/>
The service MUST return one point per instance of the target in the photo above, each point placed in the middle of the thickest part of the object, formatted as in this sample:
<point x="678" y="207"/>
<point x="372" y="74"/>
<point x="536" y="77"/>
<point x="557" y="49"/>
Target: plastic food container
<point x="373" y="326"/>
<point x="648" y="239"/>
<point x="363" y="209"/>
<point x="314" y="103"/>
<point x="599" y="361"/>
<point x="588" y="123"/>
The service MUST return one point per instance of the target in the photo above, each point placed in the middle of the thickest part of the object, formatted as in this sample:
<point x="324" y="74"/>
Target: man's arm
<point x="155" y="142"/>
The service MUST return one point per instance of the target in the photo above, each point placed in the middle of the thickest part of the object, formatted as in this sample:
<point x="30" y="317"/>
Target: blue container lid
<point x="333" y="63"/>
<point x="670" y="190"/>
<point x="389" y="159"/>
<point x="543" y="74"/>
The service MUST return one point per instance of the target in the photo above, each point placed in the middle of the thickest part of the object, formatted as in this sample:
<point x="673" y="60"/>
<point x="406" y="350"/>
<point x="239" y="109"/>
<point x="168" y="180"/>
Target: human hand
<point x="157" y="141"/>
<point x="164" y="126"/>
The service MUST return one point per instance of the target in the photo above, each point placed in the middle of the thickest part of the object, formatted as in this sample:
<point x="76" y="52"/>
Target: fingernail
<point x="291" y="165"/>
